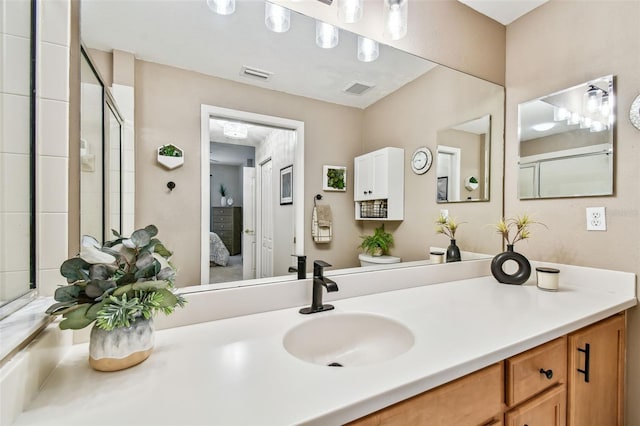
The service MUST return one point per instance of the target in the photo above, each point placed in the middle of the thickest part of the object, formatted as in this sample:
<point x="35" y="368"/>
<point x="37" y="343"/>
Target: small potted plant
<point x="170" y="156"/>
<point x="118" y="287"/>
<point x="377" y="244"/>
<point x="447" y="226"/>
<point x="513" y="230"/>
<point x="223" y="195"/>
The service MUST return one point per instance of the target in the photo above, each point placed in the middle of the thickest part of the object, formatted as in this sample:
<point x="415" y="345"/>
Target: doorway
<point x="265" y="247"/>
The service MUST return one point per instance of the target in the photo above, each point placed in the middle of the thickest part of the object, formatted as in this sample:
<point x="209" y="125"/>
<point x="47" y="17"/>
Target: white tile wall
<point x="14" y="171"/>
<point x="15" y="53"/>
<point x="52" y="240"/>
<point x="53" y="128"/>
<point x="54" y="28"/>
<point x="14" y="112"/>
<point x="53" y="75"/>
<point x="53" y="174"/>
<point x="14" y="245"/>
<point x="15" y="17"/>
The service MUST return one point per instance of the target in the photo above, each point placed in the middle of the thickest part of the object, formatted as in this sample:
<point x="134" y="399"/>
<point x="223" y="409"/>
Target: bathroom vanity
<point x="476" y="352"/>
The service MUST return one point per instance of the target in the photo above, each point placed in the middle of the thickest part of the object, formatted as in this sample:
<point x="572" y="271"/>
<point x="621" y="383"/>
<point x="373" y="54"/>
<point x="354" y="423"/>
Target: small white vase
<point x="120" y="348"/>
<point x="223" y="201"/>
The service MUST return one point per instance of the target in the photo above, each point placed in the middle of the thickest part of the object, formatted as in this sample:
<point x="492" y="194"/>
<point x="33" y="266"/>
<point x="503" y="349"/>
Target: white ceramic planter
<point x="171" y="162"/>
<point x="121" y="348"/>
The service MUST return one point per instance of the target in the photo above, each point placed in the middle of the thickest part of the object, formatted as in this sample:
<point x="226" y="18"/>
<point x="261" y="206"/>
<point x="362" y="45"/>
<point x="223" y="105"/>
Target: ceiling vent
<point x="357" y="88"/>
<point x="255" y="73"/>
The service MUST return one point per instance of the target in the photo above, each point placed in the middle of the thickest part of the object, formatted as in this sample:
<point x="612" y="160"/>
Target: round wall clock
<point x="421" y="160"/>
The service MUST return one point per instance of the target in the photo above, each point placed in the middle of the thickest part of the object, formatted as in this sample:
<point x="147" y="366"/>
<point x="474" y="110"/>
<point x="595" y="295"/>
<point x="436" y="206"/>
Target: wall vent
<point x="255" y="73"/>
<point x="357" y="88"/>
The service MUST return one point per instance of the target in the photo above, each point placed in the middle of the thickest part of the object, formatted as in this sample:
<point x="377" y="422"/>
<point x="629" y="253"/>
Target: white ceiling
<point x="503" y="11"/>
<point x="188" y="35"/>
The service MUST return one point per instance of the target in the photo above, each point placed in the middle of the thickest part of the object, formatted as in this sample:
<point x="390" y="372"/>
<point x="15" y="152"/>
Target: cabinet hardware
<point x="548" y="373"/>
<point x="587" y="353"/>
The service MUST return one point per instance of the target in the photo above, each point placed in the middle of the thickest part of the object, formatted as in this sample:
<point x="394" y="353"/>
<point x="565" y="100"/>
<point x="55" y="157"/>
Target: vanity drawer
<point x="548" y="409"/>
<point x="532" y="372"/>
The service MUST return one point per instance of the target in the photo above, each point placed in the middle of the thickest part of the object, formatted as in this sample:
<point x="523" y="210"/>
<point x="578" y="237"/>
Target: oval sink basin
<point x="348" y="340"/>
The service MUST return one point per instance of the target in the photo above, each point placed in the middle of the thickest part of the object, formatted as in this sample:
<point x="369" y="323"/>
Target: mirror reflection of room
<point x="343" y="103"/>
<point x="566" y="142"/>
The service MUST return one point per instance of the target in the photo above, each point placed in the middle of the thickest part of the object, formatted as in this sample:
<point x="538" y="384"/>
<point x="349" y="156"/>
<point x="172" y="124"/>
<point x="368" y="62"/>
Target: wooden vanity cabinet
<point x="472" y="400"/>
<point x="544" y="386"/>
<point x="596" y="374"/>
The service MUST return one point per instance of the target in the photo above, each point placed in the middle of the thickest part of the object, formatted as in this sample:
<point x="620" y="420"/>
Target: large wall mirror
<point x="186" y="56"/>
<point x="17" y="155"/>
<point x="566" y="142"/>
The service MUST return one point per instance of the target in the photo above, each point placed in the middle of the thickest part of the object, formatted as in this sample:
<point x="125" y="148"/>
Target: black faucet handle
<point x="321" y="263"/>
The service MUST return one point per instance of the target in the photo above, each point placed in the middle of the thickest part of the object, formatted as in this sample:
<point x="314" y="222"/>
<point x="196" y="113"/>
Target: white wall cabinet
<point x="379" y="185"/>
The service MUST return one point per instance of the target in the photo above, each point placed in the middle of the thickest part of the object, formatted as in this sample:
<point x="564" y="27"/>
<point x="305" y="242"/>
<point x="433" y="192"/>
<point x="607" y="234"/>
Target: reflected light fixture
<point x="543" y="127"/>
<point x="593" y="98"/>
<point x="222" y="7"/>
<point x="277" y="18"/>
<point x="561" y="114"/>
<point x="605" y="107"/>
<point x="327" y="35"/>
<point x="235" y="130"/>
<point x="574" y="119"/>
<point x="395" y="18"/>
<point x="368" y="50"/>
<point x="350" y="11"/>
<point x="585" y="122"/>
<point x="597" y="126"/>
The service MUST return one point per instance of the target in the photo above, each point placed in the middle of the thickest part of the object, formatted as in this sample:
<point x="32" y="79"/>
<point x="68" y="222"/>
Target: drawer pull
<point x="587" y="356"/>
<point x="548" y="373"/>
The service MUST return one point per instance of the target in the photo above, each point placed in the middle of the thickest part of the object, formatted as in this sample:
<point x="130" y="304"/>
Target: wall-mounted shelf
<point x="379" y="185"/>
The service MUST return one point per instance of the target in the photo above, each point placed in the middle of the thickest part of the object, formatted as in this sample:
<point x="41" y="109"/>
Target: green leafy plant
<point x="378" y="243"/>
<point x="335" y="178"/>
<point x="516" y="229"/>
<point x="222" y="190"/>
<point x="170" y="151"/>
<point x="447" y="226"/>
<point x="118" y="283"/>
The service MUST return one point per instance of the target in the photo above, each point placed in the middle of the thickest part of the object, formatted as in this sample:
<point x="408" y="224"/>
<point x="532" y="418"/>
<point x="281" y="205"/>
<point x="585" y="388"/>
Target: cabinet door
<point x="596" y="374"/>
<point x="548" y="409"/>
<point x="363" y="178"/>
<point x="380" y="175"/>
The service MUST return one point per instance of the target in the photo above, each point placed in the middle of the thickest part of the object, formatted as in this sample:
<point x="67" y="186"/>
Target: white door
<point x="266" y="219"/>
<point x="248" y="223"/>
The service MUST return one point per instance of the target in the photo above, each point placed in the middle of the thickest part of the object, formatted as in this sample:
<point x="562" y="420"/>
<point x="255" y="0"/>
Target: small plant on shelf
<point x="377" y="244"/>
<point x="222" y="190"/>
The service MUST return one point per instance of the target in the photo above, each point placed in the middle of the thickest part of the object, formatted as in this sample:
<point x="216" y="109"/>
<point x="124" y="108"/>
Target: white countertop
<point x="236" y="372"/>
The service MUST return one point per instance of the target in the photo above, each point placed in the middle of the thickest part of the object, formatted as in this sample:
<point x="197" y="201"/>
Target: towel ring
<point x="317" y="197"/>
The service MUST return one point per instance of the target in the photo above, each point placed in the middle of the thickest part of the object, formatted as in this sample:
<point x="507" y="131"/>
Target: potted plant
<point x="513" y="230"/>
<point x="448" y="226"/>
<point x="118" y="288"/>
<point x="223" y="195"/>
<point x="170" y="156"/>
<point x="377" y="244"/>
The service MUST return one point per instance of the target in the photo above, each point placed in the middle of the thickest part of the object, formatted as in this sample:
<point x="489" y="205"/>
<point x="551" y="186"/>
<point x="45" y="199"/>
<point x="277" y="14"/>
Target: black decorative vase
<point x="520" y="276"/>
<point x="453" y="252"/>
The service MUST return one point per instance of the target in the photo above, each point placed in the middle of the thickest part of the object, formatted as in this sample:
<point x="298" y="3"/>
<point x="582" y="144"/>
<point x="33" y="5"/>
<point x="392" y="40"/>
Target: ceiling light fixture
<point x="277" y="18"/>
<point x="327" y="36"/>
<point x="350" y="11"/>
<point x="235" y="130"/>
<point x="222" y="7"/>
<point x="395" y="18"/>
<point x="368" y="50"/>
<point x="593" y="98"/>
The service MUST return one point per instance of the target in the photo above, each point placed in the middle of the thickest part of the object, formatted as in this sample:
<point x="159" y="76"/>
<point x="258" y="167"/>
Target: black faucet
<point x="319" y="281"/>
<point x="302" y="267"/>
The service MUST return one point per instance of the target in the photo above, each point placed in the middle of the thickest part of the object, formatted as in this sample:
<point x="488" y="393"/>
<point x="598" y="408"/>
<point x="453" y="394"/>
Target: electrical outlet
<point x="596" y="219"/>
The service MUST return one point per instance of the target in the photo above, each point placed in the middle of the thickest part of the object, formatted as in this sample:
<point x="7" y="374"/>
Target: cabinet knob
<point x="369" y="192"/>
<point x="548" y="373"/>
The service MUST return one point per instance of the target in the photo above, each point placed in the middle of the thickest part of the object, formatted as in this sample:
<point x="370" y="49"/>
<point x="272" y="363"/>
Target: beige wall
<point x="435" y="101"/>
<point x="560" y="45"/>
<point x="168" y="111"/>
<point x="443" y="31"/>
